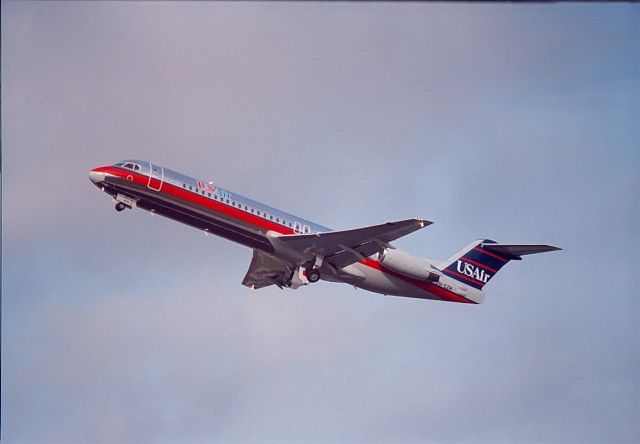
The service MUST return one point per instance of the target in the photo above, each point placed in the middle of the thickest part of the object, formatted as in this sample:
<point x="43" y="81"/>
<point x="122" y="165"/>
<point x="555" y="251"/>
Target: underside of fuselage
<point x="371" y="279"/>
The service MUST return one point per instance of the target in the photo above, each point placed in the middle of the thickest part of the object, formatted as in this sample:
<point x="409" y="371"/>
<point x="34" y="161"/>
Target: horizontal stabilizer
<point x="513" y="251"/>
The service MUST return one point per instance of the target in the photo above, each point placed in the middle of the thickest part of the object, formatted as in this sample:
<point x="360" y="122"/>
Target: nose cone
<point x="96" y="177"/>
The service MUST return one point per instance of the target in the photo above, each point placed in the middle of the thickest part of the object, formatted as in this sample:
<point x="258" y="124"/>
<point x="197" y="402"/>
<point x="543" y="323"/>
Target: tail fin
<point x="479" y="261"/>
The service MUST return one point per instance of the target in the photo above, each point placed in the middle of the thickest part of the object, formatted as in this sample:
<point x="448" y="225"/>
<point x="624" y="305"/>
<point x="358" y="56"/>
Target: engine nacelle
<point x="407" y="265"/>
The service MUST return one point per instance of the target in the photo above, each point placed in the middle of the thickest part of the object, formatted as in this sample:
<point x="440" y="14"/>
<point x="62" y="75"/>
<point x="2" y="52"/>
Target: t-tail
<point x="478" y="262"/>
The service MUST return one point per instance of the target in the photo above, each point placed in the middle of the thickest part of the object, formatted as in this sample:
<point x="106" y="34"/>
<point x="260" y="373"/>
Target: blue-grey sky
<point x="514" y="122"/>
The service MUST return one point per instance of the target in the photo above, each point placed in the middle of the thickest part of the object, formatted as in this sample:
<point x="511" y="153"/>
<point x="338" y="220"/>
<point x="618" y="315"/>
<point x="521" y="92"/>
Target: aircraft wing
<point x="265" y="270"/>
<point x="343" y="248"/>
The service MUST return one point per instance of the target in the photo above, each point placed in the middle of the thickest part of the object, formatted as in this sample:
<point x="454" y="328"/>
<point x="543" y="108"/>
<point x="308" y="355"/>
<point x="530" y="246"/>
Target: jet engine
<point x="405" y="264"/>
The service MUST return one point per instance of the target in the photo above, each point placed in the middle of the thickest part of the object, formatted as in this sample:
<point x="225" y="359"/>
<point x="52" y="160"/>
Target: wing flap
<point x="265" y="270"/>
<point x="350" y="256"/>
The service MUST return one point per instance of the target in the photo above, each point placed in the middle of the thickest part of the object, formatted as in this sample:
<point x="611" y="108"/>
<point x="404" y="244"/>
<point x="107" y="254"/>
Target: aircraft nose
<point x="95" y="176"/>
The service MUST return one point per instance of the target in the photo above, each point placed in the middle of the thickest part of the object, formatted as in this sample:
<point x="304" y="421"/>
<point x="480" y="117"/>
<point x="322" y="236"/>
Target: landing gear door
<point x="156" y="177"/>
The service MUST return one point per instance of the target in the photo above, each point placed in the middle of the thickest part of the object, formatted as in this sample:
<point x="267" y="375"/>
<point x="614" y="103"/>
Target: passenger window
<point x="190" y="188"/>
<point x="129" y="165"/>
<point x="306" y="229"/>
<point x="184" y="185"/>
<point x="227" y="201"/>
<point x="277" y="220"/>
<point x="251" y="210"/>
<point x="290" y="224"/>
<point x="209" y="194"/>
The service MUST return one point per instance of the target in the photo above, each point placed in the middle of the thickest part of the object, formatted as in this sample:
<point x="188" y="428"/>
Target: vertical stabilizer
<point x="475" y="265"/>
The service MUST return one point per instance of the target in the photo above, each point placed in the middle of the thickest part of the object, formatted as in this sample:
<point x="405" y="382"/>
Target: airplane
<point x="291" y="252"/>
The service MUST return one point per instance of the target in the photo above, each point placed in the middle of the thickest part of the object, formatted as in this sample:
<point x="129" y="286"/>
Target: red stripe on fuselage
<point x="214" y="205"/>
<point x="429" y="287"/>
<point x="203" y="201"/>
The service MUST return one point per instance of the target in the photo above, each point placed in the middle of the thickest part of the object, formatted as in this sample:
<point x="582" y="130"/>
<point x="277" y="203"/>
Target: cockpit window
<point x="129" y="165"/>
